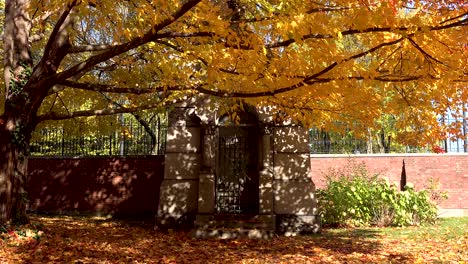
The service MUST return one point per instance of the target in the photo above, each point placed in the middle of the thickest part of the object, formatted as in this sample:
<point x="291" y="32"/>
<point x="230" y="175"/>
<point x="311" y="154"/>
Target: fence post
<point x="465" y="133"/>
<point x="63" y="141"/>
<point x="110" y="145"/>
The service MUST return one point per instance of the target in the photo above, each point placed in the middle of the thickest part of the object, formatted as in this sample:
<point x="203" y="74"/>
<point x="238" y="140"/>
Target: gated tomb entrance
<point x="237" y="170"/>
<point x="251" y="173"/>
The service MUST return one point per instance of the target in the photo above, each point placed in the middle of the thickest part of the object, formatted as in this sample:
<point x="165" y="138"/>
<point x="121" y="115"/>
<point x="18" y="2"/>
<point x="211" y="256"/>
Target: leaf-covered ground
<point x="67" y="239"/>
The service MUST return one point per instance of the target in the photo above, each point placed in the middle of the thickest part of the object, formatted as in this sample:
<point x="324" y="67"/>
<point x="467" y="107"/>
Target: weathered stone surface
<point x="183" y="116"/>
<point x="292" y="225"/>
<point x="206" y="194"/>
<point x="209" y="147"/>
<point x="182" y="166"/>
<point x="292" y="166"/>
<point x="233" y="233"/>
<point x="177" y="199"/>
<point x="266" y="192"/>
<point x="295" y="197"/>
<point x="266" y="152"/>
<point x="183" y="139"/>
<point x="293" y="139"/>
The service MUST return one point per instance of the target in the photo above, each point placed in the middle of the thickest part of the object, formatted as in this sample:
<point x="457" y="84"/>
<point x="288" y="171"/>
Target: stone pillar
<point x="179" y="190"/>
<point x="295" y="203"/>
<point x="206" y="189"/>
<point x="266" y="174"/>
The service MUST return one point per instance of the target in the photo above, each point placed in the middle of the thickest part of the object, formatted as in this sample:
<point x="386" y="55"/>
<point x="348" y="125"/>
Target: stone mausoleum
<point x="252" y="173"/>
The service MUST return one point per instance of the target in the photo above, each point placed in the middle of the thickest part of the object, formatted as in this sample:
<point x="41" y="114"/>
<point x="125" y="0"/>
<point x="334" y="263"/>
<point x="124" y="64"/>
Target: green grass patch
<point x="446" y="228"/>
<point x="452" y="228"/>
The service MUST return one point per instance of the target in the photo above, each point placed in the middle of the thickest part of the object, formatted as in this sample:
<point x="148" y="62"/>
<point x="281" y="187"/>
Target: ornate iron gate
<point x="237" y="170"/>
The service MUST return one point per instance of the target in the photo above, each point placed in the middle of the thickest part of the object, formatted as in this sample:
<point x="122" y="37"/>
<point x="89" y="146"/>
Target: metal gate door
<point x="237" y="171"/>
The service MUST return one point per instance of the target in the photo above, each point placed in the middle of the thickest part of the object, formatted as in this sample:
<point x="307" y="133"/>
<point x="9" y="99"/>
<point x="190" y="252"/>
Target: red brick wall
<point x="130" y="186"/>
<point x="125" y="186"/>
<point x="450" y="170"/>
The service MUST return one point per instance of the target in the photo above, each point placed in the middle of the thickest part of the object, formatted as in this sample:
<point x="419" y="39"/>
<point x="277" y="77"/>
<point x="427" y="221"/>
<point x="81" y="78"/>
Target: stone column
<point x="266" y="181"/>
<point x="294" y="192"/>
<point x="266" y="173"/>
<point x="206" y="189"/>
<point x="179" y="190"/>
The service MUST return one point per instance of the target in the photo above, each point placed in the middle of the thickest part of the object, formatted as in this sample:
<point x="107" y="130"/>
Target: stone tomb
<point x="251" y="174"/>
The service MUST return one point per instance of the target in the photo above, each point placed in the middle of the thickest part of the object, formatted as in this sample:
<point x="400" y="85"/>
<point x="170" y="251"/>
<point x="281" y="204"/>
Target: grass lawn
<point x="65" y="239"/>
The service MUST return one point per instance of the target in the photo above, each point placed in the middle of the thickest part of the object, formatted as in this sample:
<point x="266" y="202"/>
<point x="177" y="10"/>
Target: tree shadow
<point x="121" y="186"/>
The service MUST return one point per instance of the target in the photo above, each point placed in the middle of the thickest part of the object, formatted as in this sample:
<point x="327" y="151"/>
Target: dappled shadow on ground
<point x="93" y="240"/>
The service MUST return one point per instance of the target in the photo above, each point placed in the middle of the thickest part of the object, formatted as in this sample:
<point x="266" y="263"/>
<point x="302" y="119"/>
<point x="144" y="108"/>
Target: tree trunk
<point x="26" y="87"/>
<point x="14" y="146"/>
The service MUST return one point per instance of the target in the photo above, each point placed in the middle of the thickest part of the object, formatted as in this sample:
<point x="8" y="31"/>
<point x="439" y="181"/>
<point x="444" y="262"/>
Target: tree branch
<point x="119" y="49"/>
<point x="287" y="42"/>
<point x="59" y="26"/>
<point x="201" y="88"/>
<point x="276" y="15"/>
<point x="308" y="80"/>
<point x="454" y="18"/>
<point x="427" y="55"/>
<point x="123" y="90"/>
<point x="89" y="48"/>
<point x="140" y="120"/>
<point x="101" y="112"/>
<point x="185" y="35"/>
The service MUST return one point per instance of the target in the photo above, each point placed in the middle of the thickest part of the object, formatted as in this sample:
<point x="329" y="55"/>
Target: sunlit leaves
<point x="319" y="62"/>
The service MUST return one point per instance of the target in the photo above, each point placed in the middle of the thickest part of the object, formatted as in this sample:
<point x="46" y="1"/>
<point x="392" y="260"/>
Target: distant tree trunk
<point x="148" y="130"/>
<point x="326" y="142"/>
<point x="370" y="147"/>
<point x="465" y="132"/>
<point x="385" y="142"/>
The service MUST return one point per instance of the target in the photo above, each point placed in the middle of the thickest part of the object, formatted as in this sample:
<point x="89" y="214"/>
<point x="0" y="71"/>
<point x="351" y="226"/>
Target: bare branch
<point x="314" y="77"/>
<point x="101" y="112"/>
<point x="36" y="37"/>
<point x="202" y="60"/>
<point x="427" y="55"/>
<point x="119" y="49"/>
<point x="89" y="48"/>
<point x="454" y="18"/>
<point x="287" y="42"/>
<point x="59" y="26"/>
<point x="185" y="35"/>
<point x="123" y="90"/>
<point x="140" y="120"/>
<point x="277" y="15"/>
<point x="43" y="18"/>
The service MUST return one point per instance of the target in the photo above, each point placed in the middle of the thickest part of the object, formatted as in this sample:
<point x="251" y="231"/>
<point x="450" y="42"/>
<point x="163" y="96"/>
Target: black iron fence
<point x="456" y="144"/>
<point x="323" y="142"/>
<point x="130" y="138"/>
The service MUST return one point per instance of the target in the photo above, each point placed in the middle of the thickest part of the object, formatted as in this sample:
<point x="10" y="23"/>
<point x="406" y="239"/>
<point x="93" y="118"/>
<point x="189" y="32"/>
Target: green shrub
<point x="354" y="197"/>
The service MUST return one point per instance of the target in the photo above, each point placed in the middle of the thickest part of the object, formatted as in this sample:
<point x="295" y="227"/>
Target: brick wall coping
<point x="387" y="155"/>
<point x="98" y="157"/>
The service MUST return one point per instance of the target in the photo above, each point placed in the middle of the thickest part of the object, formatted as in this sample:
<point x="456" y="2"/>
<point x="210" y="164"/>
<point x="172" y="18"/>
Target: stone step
<point x="261" y="222"/>
<point x="232" y="233"/>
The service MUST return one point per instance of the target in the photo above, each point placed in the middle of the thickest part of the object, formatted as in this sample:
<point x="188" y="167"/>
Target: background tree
<point x="70" y="59"/>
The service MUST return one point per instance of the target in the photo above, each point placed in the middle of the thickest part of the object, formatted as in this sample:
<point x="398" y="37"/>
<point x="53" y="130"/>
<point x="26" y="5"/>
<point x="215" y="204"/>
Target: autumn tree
<point x="316" y="61"/>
